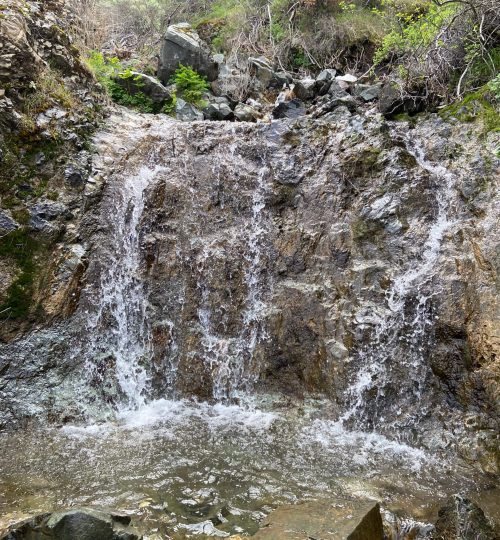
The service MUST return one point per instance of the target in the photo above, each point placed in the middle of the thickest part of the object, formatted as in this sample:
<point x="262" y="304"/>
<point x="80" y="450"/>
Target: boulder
<point x="182" y="45"/>
<point x="289" y="109"/>
<point x="336" y="91"/>
<point x="245" y="113"/>
<point x="393" y="100"/>
<point x="367" y="92"/>
<point x="262" y="70"/>
<point x="186" y="112"/>
<point x="338" y="520"/>
<point x="7" y="224"/>
<point x="134" y="82"/>
<point x="324" y="80"/>
<point x="218" y="109"/>
<point x="349" y="79"/>
<point x="75" y="524"/>
<point x="461" y="519"/>
<point x="305" y="89"/>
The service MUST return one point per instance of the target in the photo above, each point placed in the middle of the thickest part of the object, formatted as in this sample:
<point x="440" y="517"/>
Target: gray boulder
<point x="394" y="100"/>
<point x="76" y="524"/>
<point x="340" y="520"/>
<point x="186" y="112"/>
<point x="134" y="82"/>
<point x="182" y="45"/>
<point x="7" y="224"/>
<point x="324" y="80"/>
<point x="262" y="70"/>
<point x="245" y="113"/>
<point x="289" y="109"/>
<point x="461" y="519"/>
<point x="218" y="109"/>
<point x="336" y="91"/>
<point x="367" y="92"/>
<point x="305" y="89"/>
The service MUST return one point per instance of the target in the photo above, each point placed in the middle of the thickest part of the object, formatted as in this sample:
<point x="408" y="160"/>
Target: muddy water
<point x="188" y="468"/>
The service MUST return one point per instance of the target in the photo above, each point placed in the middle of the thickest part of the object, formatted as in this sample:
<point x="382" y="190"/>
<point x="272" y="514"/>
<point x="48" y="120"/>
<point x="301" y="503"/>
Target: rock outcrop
<point x="339" y="520"/>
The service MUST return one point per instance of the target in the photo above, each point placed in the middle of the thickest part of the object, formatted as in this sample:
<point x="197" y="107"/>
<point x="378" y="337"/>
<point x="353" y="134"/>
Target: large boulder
<point x="264" y="74"/>
<point x="339" y="520"/>
<point x="134" y="83"/>
<point x="76" y="524"/>
<point x="182" y="45"/>
<point x="461" y="519"/>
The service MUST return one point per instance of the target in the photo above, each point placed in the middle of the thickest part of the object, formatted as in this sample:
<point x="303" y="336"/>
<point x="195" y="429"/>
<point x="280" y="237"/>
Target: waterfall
<point x="230" y="359"/>
<point x="119" y="327"/>
<point x="402" y="332"/>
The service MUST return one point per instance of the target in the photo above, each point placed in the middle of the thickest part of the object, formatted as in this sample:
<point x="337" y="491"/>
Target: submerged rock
<point x="339" y="520"/>
<point x="75" y="524"/>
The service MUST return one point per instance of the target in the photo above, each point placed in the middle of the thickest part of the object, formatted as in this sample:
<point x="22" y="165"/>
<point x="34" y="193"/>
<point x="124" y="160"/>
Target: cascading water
<point x="119" y="327"/>
<point x="230" y="359"/>
<point x="392" y="367"/>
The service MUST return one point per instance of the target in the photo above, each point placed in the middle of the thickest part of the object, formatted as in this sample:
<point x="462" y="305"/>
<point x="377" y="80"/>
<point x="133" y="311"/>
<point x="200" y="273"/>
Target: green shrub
<point x="190" y="85"/>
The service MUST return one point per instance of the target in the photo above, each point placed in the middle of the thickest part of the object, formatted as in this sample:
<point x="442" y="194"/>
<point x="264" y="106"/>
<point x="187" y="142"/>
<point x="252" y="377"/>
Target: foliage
<point x="107" y="71"/>
<point x="103" y="68"/>
<point x="414" y="32"/>
<point x="190" y="85"/>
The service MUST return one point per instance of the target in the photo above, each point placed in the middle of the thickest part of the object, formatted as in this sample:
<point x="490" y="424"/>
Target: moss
<point x="21" y="248"/>
<point x="476" y="106"/>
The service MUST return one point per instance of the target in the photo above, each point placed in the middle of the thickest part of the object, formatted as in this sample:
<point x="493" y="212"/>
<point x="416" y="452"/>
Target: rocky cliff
<point x="346" y="255"/>
<point x="338" y="254"/>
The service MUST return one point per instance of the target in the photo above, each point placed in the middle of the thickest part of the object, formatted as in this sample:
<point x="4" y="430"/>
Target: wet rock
<point x="75" y="524"/>
<point x="339" y="520"/>
<point x="7" y="223"/>
<point x="182" y="45"/>
<point x="289" y="109"/>
<point x="461" y="519"/>
<point x="135" y="82"/>
<point x="186" y="112"/>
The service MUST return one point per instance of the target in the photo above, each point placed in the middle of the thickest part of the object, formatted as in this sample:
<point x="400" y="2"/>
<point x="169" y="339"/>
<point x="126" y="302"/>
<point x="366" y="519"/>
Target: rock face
<point x="182" y="45"/>
<point x="340" y="520"/>
<point x="461" y="519"/>
<point x="76" y="524"/>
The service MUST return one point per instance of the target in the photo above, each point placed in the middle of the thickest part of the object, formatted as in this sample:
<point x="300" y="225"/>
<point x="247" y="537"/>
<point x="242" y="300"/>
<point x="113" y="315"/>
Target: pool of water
<point x="189" y="468"/>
